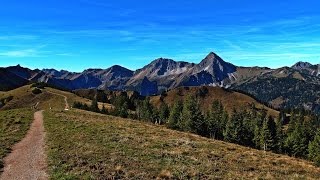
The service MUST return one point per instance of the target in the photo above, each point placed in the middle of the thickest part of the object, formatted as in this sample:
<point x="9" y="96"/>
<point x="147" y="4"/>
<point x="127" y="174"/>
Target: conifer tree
<point x="268" y="133"/>
<point x="192" y="120"/>
<point x="234" y="128"/>
<point x="94" y="105"/>
<point x="145" y="110"/>
<point x="164" y="113"/>
<point x="296" y="143"/>
<point x="216" y="120"/>
<point x="279" y="136"/>
<point x="175" y="115"/>
<point x="314" y="149"/>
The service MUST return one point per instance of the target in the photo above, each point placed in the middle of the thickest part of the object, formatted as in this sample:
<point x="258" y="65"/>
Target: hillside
<point x="230" y="99"/>
<point x="93" y="146"/>
<point x="285" y="89"/>
<point x="24" y="98"/>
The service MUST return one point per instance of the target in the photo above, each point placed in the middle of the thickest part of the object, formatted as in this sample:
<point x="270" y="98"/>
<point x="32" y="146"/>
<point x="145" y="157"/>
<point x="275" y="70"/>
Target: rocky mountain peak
<point x="215" y="65"/>
<point x="301" y="65"/>
<point x="211" y="58"/>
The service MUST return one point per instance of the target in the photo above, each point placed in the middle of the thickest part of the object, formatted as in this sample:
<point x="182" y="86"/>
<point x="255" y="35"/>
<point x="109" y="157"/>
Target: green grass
<point x="13" y="126"/>
<point x="84" y="145"/>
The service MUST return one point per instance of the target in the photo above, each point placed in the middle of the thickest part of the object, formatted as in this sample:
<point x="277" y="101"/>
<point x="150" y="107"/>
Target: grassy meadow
<point x="84" y="145"/>
<point x="14" y="124"/>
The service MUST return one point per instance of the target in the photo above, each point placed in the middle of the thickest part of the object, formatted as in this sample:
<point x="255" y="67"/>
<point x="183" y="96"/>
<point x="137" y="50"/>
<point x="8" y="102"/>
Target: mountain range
<point x="286" y="87"/>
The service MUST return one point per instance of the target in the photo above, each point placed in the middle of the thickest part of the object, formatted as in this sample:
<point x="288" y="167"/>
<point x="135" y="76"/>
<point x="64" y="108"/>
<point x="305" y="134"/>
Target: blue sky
<point x="79" y="34"/>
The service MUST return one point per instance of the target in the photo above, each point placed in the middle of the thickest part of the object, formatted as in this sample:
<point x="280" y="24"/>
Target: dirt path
<point x="28" y="158"/>
<point x="65" y="99"/>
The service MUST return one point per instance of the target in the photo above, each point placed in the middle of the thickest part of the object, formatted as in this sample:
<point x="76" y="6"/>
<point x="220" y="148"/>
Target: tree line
<point x="299" y="137"/>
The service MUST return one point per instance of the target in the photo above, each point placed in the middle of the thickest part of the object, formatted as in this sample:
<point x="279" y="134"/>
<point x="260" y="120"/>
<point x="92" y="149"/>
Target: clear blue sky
<point x="79" y="34"/>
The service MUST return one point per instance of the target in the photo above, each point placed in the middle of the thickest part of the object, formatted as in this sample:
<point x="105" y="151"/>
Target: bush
<point x="36" y="91"/>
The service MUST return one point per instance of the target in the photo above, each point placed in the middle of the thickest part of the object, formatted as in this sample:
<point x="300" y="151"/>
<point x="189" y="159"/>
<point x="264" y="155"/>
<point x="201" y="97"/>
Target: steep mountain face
<point x="286" y="87"/>
<point x="165" y="73"/>
<point x="112" y="78"/>
<point x="169" y="74"/>
<point x="216" y="67"/>
<point x="9" y="80"/>
<point x="22" y="72"/>
<point x="212" y="71"/>
<point x="307" y="68"/>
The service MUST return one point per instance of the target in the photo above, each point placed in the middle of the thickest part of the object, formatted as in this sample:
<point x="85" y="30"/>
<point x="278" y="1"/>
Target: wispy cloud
<point x="18" y="37"/>
<point x="32" y="52"/>
<point x="21" y="53"/>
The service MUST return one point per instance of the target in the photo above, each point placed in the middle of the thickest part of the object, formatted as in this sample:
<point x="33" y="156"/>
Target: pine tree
<point x="257" y="137"/>
<point x="145" y="110"/>
<point x="120" y="104"/>
<point x="279" y="136"/>
<point x="296" y="143"/>
<point x="258" y="122"/>
<point x="94" y="105"/>
<point x="268" y="133"/>
<point x="234" y="128"/>
<point x="164" y="113"/>
<point x="155" y="116"/>
<point x="192" y="120"/>
<point x="198" y="125"/>
<point x="314" y="149"/>
<point x="186" y="115"/>
<point x="216" y="120"/>
<point x="175" y="115"/>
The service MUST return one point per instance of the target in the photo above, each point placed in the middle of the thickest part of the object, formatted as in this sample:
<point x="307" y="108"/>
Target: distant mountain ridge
<point x="165" y="74"/>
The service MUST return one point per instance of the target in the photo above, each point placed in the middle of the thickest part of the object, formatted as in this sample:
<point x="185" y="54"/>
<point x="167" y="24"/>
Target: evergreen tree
<point x="120" y="105"/>
<point x="257" y="137"/>
<point x="279" y="136"/>
<point x="175" y="115"/>
<point x="216" y="120"/>
<point x="192" y="120"/>
<point x="145" y="110"/>
<point x="258" y="123"/>
<point x="314" y="149"/>
<point x="296" y="143"/>
<point x="268" y="134"/>
<point x="155" y="118"/>
<point x="94" y="105"/>
<point x="164" y="113"/>
<point x="234" y="128"/>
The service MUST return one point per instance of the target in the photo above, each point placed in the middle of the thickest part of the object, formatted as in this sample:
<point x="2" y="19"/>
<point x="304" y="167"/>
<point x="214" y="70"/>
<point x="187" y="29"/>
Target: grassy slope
<point x="229" y="99"/>
<point x="84" y="145"/>
<point x="17" y="115"/>
<point x="13" y="126"/>
<point x="23" y="98"/>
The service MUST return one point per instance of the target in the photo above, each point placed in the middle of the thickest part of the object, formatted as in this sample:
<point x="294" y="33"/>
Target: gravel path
<point x="28" y="158"/>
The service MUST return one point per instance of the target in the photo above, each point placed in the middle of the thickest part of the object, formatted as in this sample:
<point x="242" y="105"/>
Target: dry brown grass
<point x="229" y="99"/>
<point x="23" y="98"/>
<point x="85" y="145"/>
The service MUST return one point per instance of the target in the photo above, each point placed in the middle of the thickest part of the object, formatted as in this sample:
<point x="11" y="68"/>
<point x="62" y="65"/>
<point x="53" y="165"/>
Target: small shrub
<point x="36" y="91"/>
